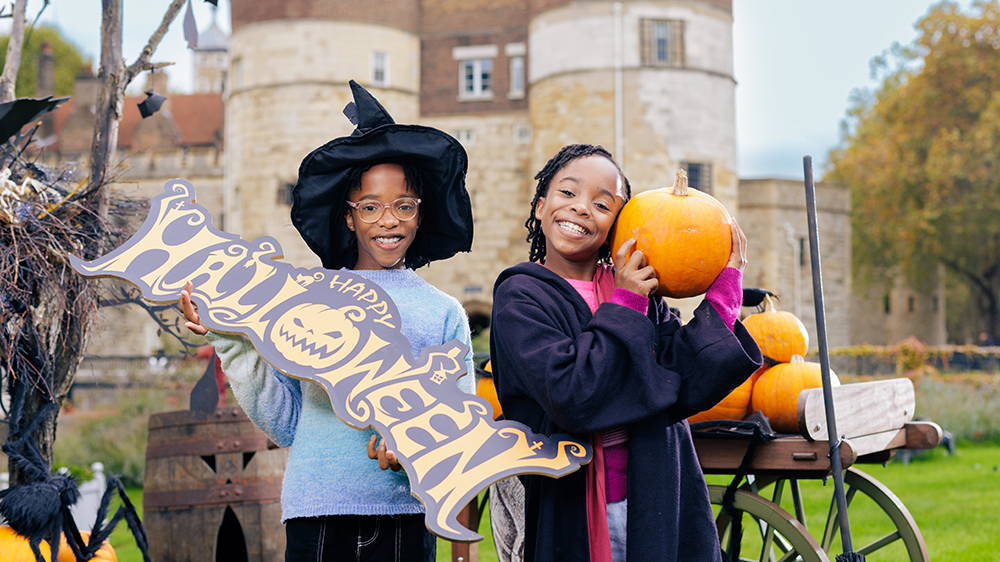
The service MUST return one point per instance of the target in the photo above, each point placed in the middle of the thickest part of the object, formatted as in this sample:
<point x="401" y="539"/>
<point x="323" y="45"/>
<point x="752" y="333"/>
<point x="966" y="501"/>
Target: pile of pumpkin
<point x="774" y="389"/>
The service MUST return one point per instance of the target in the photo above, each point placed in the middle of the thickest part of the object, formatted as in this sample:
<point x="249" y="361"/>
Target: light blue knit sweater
<point x="329" y="472"/>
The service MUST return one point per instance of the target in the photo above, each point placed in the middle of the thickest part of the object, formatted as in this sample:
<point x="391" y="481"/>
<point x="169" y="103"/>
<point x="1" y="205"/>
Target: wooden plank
<point x="923" y="435"/>
<point x="862" y="408"/>
<point x="468" y="517"/>
<point x="881" y="441"/>
<point x="787" y="455"/>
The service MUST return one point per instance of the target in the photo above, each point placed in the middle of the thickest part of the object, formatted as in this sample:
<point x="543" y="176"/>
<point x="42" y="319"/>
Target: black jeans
<point x="359" y="538"/>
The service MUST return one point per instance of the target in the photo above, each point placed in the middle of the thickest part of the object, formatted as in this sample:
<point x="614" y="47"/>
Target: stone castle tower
<point x="513" y="80"/>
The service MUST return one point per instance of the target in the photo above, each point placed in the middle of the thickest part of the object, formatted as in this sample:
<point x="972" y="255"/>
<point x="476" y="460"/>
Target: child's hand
<point x="738" y="258"/>
<point x="634" y="274"/>
<point x="386" y="459"/>
<point x="190" y="311"/>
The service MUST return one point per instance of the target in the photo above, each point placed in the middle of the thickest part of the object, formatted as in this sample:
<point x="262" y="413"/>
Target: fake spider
<point x="40" y="508"/>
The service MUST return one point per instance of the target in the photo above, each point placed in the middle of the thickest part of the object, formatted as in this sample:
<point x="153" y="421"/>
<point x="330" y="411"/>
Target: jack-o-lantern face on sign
<point x="315" y="335"/>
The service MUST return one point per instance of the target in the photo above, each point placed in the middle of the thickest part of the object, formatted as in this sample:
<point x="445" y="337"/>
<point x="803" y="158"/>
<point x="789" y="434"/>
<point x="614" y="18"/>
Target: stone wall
<point x="773" y="216"/>
<point x="500" y="186"/>
<point x="891" y="312"/>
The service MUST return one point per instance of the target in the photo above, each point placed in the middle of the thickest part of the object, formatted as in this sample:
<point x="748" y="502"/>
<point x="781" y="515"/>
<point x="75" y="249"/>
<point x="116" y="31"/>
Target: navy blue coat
<point x="558" y="368"/>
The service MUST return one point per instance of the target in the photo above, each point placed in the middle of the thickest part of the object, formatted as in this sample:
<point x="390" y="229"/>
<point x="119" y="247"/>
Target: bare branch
<point x="113" y="81"/>
<point x="154" y="41"/>
<point x="155" y="66"/>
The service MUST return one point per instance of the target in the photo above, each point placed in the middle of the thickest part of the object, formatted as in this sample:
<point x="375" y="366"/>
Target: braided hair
<point x="566" y="155"/>
<point x="414" y="181"/>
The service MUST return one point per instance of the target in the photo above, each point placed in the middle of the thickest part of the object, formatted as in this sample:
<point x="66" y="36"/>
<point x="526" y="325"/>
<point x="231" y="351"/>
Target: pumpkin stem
<point x="769" y="304"/>
<point x="680" y="183"/>
<point x="797" y="359"/>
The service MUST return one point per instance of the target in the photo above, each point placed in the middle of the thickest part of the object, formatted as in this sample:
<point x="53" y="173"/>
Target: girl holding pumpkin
<point x="582" y="348"/>
<point x="381" y="202"/>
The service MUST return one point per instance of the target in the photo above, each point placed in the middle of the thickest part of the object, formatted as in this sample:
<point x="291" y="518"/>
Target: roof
<point x="198" y="117"/>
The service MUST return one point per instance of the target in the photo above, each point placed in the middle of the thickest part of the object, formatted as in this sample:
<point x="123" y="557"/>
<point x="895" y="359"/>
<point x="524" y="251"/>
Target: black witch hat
<point x="317" y="198"/>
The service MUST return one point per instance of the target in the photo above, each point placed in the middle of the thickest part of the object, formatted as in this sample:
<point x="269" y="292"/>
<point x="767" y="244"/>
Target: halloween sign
<point x="341" y="331"/>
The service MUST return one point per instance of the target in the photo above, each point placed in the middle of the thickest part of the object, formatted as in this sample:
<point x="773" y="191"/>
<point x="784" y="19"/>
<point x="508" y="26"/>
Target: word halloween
<point x="341" y="331"/>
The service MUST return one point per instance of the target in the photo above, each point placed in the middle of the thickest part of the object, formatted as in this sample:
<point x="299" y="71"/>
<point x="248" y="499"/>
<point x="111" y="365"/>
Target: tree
<point x="45" y="309"/>
<point x="922" y="158"/>
<point x="12" y="61"/>
<point x="114" y="77"/>
<point x="67" y="58"/>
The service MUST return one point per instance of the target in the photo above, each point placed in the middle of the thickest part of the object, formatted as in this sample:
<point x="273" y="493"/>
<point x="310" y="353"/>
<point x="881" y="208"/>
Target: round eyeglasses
<point x="404" y="209"/>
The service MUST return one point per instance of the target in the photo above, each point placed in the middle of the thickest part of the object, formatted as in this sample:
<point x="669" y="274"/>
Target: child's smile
<point x="577" y="214"/>
<point x="382" y="244"/>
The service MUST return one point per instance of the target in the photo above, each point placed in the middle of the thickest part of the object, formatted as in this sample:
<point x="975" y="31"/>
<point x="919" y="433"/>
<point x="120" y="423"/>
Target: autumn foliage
<point x="922" y="158"/>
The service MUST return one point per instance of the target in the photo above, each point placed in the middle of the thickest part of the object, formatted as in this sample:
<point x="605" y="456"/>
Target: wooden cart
<point x="875" y="418"/>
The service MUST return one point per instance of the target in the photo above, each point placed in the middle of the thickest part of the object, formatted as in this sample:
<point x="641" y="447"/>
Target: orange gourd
<point x="103" y="554"/>
<point x="732" y="407"/>
<point x="735" y="406"/>
<point x="486" y="389"/>
<point x="776" y="392"/>
<point x="753" y="380"/>
<point x="780" y="335"/>
<point x="15" y="548"/>
<point x="684" y="233"/>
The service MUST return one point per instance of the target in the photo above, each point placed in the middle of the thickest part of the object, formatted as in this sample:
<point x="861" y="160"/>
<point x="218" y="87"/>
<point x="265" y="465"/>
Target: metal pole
<point x="824" y="358"/>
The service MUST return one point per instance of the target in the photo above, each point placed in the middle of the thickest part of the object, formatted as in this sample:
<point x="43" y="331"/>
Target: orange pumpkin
<point x="486" y="389"/>
<point x="753" y="380"/>
<point x="103" y="554"/>
<point x="684" y="233"/>
<point x="735" y="406"/>
<point x="779" y="334"/>
<point x="15" y="548"/>
<point x="776" y="392"/>
<point x="732" y="407"/>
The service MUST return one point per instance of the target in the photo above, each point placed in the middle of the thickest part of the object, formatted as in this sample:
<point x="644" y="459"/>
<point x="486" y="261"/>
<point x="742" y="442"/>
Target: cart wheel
<point x="893" y="524"/>
<point x="900" y="525"/>
<point x="769" y="532"/>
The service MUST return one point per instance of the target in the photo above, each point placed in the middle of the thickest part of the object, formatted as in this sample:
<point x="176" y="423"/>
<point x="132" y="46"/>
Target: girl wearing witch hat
<point x="382" y="202"/>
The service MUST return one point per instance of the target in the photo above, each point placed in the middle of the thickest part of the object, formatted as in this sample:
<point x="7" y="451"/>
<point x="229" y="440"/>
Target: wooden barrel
<point x="212" y="489"/>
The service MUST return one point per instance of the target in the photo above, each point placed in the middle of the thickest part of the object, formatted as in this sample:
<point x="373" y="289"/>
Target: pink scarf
<point x="597" y="502"/>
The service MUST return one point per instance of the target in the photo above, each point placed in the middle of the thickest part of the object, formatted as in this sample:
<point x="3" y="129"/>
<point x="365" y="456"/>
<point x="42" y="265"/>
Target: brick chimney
<point x="46" y="72"/>
<point x="76" y="135"/>
<point x="156" y="80"/>
<point x="46" y="85"/>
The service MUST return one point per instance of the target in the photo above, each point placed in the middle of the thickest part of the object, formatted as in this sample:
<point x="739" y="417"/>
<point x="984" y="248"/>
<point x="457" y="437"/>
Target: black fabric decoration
<point x="190" y="28"/>
<point x="205" y="394"/>
<point x="213" y="2"/>
<point x="754" y="297"/>
<point x="151" y="104"/>
<point x="318" y="196"/>
<point x="17" y="113"/>
<point x="351" y="112"/>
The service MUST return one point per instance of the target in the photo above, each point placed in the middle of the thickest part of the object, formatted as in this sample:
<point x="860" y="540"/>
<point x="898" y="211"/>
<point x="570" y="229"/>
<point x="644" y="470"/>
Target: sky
<point x="796" y="63"/>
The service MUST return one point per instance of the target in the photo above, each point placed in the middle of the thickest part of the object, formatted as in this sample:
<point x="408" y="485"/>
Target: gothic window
<point x="380" y="69"/>
<point x="516" y="78"/>
<point x="477" y="78"/>
<point x="466" y="136"/>
<point x="515" y="58"/>
<point x="475" y="71"/>
<point x="663" y="43"/>
<point x="699" y="175"/>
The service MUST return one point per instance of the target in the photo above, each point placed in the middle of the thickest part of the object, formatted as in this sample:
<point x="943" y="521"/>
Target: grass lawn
<point x="951" y="498"/>
<point x="946" y="495"/>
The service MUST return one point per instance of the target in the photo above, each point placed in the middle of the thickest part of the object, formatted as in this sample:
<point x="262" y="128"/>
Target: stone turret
<point x="652" y="81"/>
